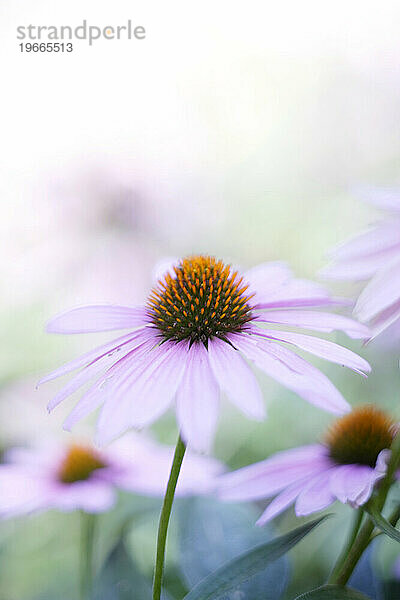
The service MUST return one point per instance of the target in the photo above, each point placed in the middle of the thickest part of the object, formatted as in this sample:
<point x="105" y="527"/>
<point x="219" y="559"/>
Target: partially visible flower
<point x="375" y="256"/>
<point x="345" y="467"/>
<point x="189" y="341"/>
<point x="78" y="476"/>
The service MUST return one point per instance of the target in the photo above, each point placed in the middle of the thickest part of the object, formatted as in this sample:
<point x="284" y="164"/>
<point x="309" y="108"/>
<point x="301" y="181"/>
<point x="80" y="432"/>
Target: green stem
<point x="354" y="555"/>
<point x="88" y="526"/>
<point x="165" y="515"/>
<point x="395" y="516"/>
<point x="355" y="527"/>
<point x="343" y="574"/>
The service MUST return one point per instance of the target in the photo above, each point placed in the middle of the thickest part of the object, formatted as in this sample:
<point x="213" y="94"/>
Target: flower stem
<point x="165" y="515"/>
<point x="355" y="527"/>
<point x="88" y="526"/>
<point x="342" y="573"/>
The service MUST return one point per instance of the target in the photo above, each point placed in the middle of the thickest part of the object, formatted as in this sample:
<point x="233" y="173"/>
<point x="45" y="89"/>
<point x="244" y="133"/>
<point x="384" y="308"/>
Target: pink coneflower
<point x="345" y="467"/>
<point x="78" y="476"/>
<point x="190" y="341"/>
<point x="375" y="256"/>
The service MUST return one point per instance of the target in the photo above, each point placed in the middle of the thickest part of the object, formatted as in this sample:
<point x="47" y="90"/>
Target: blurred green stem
<point x="88" y="527"/>
<point x="165" y="515"/>
<point x="357" y="519"/>
<point x="343" y="570"/>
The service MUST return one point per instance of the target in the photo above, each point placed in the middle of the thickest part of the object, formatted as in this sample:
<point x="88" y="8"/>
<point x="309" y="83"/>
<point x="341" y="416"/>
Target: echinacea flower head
<point x="79" y="476"/>
<point x="374" y="256"/>
<point x="190" y="341"/>
<point x="346" y="466"/>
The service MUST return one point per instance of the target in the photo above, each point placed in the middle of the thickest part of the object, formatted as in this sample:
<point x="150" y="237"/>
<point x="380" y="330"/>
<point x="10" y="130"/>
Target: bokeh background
<point x="240" y="130"/>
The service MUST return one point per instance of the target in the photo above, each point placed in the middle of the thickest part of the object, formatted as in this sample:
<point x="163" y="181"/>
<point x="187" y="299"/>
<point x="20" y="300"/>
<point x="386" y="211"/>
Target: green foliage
<point x="230" y="576"/>
<point x="333" y="592"/>
<point x="212" y="533"/>
<point x="120" y="579"/>
<point x="381" y="523"/>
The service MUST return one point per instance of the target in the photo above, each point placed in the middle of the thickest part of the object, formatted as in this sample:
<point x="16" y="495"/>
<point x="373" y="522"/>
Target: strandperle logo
<point x="89" y="33"/>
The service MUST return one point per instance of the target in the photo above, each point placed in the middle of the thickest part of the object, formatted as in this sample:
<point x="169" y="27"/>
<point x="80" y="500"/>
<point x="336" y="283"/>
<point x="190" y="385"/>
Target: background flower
<point x="374" y="255"/>
<point x="345" y="468"/>
<point x="78" y="476"/>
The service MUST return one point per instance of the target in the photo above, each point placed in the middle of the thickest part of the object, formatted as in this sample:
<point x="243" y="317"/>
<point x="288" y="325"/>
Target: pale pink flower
<point x="78" y="476"/>
<point x="191" y="341"/>
<point x="374" y="256"/>
<point x="345" y="467"/>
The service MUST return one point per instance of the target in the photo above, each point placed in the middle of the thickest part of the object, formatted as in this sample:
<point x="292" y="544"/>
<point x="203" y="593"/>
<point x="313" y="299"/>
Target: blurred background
<point x="239" y="130"/>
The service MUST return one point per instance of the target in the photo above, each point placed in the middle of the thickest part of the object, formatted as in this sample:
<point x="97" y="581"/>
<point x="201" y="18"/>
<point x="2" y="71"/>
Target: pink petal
<point x="156" y="390"/>
<point x="88" y="373"/>
<point x="298" y="293"/>
<point x="266" y="278"/>
<point x="293" y="372"/>
<point x="198" y="401"/>
<point x="114" y="347"/>
<point x="316" y="320"/>
<point x="86" y="405"/>
<point x="353" y="484"/>
<point x="236" y="379"/>
<point x="385" y="319"/>
<point x="380" y="293"/>
<point x="315" y="496"/>
<point x="20" y="492"/>
<point x="88" y="319"/>
<point x="96" y="395"/>
<point x="92" y="496"/>
<point x="387" y="198"/>
<point x="320" y="347"/>
<point x="164" y="266"/>
<point x="360" y="257"/>
<point x="148" y="464"/>
<point x="354" y="269"/>
<point x="281" y="502"/>
<point x="370" y="243"/>
<point x="144" y="393"/>
<point x="266" y="478"/>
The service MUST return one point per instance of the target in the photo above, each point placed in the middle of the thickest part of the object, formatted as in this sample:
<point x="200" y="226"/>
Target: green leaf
<point x="120" y="579"/>
<point x="235" y="572"/>
<point x="381" y="523"/>
<point x="212" y="533"/>
<point x="333" y="592"/>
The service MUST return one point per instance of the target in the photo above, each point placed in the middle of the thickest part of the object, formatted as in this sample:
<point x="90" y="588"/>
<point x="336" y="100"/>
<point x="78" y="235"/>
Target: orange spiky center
<point x="79" y="464"/>
<point x="203" y="299"/>
<point x="359" y="437"/>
